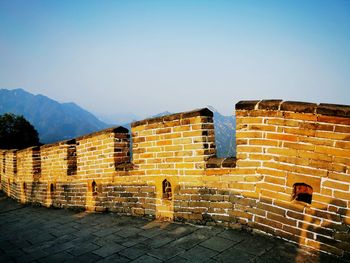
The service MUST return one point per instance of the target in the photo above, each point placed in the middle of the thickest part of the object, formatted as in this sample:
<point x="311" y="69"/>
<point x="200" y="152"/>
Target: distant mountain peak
<point x="54" y="121"/>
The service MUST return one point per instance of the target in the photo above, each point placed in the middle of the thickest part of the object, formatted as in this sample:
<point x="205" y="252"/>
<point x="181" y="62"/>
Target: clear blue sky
<point x="146" y="57"/>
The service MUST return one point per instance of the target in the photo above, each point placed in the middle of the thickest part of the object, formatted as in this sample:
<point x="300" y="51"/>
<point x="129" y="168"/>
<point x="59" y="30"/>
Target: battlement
<point x="290" y="178"/>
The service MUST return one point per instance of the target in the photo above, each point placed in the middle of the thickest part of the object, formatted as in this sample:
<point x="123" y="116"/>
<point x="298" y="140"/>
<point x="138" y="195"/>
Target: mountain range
<point x="56" y="121"/>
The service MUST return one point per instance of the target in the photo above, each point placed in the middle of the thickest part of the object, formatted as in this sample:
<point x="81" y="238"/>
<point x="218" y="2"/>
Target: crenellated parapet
<point x="290" y="177"/>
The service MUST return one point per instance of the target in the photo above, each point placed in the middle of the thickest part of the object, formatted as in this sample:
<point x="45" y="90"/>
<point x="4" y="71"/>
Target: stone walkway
<point x="37" y="234"/>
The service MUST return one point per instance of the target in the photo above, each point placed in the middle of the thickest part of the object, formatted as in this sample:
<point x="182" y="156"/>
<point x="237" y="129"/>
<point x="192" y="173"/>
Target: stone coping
<point x="33" y="148"/>
<point x="198" y="112"/>
<point x="117" y="129"/>
<point x="335" y="110"/>
<point x="214" y="162"/>
<point x="11" y="150"/>
<point x="72" y="141"/>
<point x="127" y="166"/>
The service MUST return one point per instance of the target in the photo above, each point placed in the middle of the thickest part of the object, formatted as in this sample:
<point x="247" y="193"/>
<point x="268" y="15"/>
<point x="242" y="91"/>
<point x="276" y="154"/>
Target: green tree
<point x="16" y="132"/>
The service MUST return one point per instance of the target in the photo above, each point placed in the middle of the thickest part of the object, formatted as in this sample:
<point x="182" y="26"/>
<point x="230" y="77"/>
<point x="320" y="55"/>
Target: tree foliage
<point x="16" y="132"/>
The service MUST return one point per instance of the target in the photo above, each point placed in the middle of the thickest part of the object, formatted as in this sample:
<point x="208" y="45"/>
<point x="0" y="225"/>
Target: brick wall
<point x="293" y="143"/>
<point x="28" y="174"/>
<point x="290" y="177"/>
<point x="173" y="150"/>
<point x="2" y="168"/>
<point x="9" y="180"/>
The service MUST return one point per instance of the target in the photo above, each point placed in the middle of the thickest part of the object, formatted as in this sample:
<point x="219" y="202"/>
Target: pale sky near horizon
<point x="145" y="57"/>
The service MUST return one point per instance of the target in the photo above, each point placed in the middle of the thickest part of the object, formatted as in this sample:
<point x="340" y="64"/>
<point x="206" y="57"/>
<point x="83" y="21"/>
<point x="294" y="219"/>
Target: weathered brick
<point x="248" y="134"/>
<point x="250" y="149"/>
<point x="270" y="223"/>
<point x="297" y="207"/>
<point x="300" y="116"/>
<point x="336" y="185"/>
<point x="298" y="232"/>
<point x="282" y="151"/>
<point x="342" y="195"/>
<point x="240" y="214"/>
<point x="271" y="208"/>
<point x="282" y="137"/>
<point x="332" y="151"/>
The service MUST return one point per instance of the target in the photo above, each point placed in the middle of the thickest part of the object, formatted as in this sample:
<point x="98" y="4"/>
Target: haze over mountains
<point x="56" y="121"/>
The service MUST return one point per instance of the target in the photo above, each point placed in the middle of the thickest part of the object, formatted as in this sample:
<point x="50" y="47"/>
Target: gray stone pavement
<point x="38" y="234"/>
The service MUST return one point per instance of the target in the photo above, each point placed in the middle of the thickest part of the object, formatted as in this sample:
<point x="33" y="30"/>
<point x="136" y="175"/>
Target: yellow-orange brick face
<point x="282" y="149"/>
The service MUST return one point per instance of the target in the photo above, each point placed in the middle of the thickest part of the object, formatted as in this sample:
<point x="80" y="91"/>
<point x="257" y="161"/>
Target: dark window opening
<point x="167" y="193"/>
<point x="72" y="157"/>
<point x="3" y="163"/>
<point x="52" y="188"/>
<point x="24" y="187"/>
<point x="302" y="192"/>
<point x="36" y="161"/>
<point x="94" y="188"/>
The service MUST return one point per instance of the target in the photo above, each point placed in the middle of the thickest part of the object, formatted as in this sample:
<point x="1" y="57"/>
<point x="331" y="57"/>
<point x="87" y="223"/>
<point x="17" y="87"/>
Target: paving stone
<point x="133" y="252"/>
<point x="211" y="260"/>
<point x="146" y="259"/>
<point x="114" y="258"/>
<point x="217" y="243"/>
<point x="190" y="240"/>
<point x="235" y="255"/>
<point x="151" y="232"/>
<point x="37" y="234"/>
<point x="86" y="258"/>
<point x="59" y="257"/>
<point x="37" y="238"/>
<point x="33" y="256"/>
<point x="5" y="244"/>
<point x="15" y="253"/>
<point x="255" y="245"/>
<point x="199" y="254"/>
<point x="6" y="258"/>
<point x="60" y="247"/>
<point x="166" y="252"/>
<point x="177" y="259"/>
<point x="129" y="231"/>
<point x="235" y="235"/>
<point x="19" y="243"/>
<point x="154" y="224"/>
<point x="108" y="250"/>
<point x="181" y="231"/>
<point x="106" y="231"/>
<point x="108" y="240"/>
<point x="209" y="231"/>
<point x="65" y="238"/>
<point x="279" y="254"/>
<point x="133" y="240"/>
<point x="159" y="241"/>
<point x="61" y="231"/>
<point x="85" y="238"/>
<point x="83" y="248"/>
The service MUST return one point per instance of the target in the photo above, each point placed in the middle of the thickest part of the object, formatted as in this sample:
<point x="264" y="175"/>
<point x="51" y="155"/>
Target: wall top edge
<point x="117" y="129"/>
<point x="205" y="112"/>
<point x="33" y="148"/>
<point x="335" y="110"/>
<point x="71" y="141"/>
